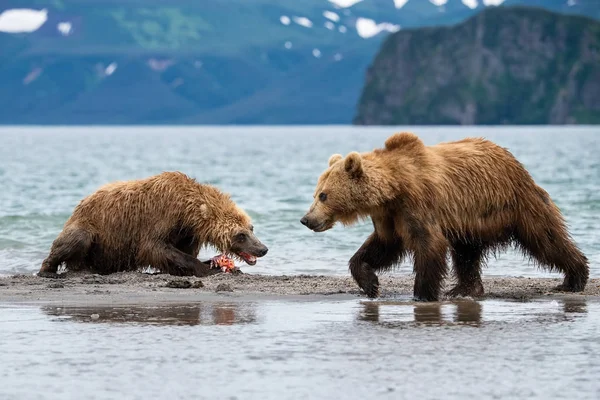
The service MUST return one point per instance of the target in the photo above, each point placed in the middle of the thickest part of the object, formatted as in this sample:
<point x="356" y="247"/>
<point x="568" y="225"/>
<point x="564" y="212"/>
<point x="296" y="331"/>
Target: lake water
<point x="271" y="172"/>
<point x="234" y="348"/>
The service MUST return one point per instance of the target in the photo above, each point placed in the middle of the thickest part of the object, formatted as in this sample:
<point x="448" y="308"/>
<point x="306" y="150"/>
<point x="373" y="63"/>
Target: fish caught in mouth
<point x="227" y="264"/>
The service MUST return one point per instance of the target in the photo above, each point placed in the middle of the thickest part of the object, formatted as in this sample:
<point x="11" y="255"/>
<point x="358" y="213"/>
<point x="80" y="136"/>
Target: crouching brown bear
<point x="162" y="221"/>
<point x="470" y="196"/>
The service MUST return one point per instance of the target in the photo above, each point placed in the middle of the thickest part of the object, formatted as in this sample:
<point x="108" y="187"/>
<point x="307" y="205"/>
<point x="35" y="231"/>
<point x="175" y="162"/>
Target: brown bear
<point x="161" y="221"/>
<point x="470" y="196"/>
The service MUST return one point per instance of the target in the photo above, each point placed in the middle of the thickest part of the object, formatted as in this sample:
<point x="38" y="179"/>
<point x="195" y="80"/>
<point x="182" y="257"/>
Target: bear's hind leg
<point x="71" y="245"/>
<point x="466" y="262"/>
<point x="375" y="254"/>
<point x="546" y="239"/>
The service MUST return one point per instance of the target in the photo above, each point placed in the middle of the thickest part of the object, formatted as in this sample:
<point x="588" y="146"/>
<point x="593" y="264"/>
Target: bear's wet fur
<point x="162" y="221"/>
<point x="471" y="197"/>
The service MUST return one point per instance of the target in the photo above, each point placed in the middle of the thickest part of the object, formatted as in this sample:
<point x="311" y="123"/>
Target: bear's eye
<point x="323" y="196"/>
<point x="251" y="228"/>
<point x="240" y="237"/>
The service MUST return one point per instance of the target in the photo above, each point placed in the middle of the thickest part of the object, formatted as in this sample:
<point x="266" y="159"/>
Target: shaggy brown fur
<point x="162" y="221"/>
<point x="470" y="196"/>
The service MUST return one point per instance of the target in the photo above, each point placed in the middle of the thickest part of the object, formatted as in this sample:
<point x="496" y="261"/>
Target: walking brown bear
<point x="470" y="196"/>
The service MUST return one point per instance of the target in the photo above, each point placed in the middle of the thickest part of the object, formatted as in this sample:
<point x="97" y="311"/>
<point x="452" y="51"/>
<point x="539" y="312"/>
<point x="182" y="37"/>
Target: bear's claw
<point x="371" y="289"/>
<point x="366" y="279"/>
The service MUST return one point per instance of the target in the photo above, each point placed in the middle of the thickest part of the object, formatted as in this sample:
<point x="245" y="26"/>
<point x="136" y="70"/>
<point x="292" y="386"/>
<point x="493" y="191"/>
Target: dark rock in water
<point x="506" y="65"/>
<point x="184" y="284"/>
<point x="179" y="284"/>
<point x="224" y="287"/>
<point x="56" y="285"/>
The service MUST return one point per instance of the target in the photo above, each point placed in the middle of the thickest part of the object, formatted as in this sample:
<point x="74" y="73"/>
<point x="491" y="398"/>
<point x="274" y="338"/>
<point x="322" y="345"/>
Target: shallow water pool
<point x="239" y="348"/>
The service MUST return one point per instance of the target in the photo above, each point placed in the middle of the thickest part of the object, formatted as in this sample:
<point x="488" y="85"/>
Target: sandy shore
<point x="138" y="288"/>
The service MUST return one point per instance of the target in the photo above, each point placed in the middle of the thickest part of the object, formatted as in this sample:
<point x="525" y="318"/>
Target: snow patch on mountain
<point x="367" y="28"/>
<point x="344" y="3"/>
<point x="492" y="2"/>
<point x="331" y="15"/>
<point x="303" y="21"/>
<point x="112" y="67"/>
<point x="64" y="28"/>
<point x="22" y="20"/>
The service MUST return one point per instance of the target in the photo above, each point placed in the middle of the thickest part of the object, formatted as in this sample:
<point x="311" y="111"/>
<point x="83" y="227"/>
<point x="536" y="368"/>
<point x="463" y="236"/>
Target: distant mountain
<point x="503" y="66"/>
<point x="207" y="62"/>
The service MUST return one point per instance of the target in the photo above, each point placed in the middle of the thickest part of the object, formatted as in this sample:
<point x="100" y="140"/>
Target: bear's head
<point x="230" y="230"/>
<point x="342" y="193"/>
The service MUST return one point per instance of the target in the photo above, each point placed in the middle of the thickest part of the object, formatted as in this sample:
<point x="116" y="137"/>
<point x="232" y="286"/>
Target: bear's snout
<point x="262" y="252"/>
<point x="314" y="223"/>
<point x="310" y="223"/>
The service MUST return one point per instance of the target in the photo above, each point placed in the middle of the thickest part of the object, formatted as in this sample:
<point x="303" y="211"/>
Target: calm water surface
<point x="282" y="349"/>
<point x="269" y="171"/>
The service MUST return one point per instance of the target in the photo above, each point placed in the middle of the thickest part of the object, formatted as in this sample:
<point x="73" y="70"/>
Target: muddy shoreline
<point x="140" y="288"/>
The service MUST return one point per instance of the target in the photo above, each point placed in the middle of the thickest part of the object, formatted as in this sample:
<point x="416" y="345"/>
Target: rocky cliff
<point x="503" y="66"/>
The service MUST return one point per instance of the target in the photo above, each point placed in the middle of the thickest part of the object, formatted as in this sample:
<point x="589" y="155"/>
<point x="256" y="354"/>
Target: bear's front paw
<point x="52" y="275"/>
<point x="367" y="280"/>
<point x="372" y="289"/>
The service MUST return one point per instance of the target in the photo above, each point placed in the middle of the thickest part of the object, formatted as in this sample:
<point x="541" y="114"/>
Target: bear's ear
<point x="353" y="164"/>
<point x="334" y="158"/>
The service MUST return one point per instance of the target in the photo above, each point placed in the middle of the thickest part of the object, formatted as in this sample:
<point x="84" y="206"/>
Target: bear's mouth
<point x="248" y="258"/>
<point x="324" y="226"/>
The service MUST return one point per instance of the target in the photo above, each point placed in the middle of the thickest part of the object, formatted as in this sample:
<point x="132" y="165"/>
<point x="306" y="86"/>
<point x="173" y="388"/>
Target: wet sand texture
<point x="134" y="287"/>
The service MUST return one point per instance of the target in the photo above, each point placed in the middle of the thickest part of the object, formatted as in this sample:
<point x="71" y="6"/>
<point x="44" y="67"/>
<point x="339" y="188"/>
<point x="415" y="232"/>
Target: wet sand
<point x="141" y="288"/>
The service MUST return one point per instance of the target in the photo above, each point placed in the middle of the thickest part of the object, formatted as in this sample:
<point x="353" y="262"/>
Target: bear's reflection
<point x="578" y="306"/>
<point x="190" y="314"/>
<point x="467" y="312"/>
<point x="456" y="312"/>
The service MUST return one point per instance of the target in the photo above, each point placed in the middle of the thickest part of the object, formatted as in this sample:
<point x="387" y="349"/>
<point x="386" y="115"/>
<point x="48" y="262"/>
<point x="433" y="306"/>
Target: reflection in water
<point x="575" y="306"/>
<point x="465" y="312"/>
<point x="190" y="314"/>
<point x="468" y="312"/>
<point x="451" y="350"/>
